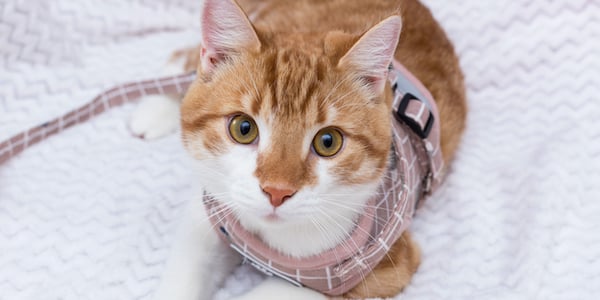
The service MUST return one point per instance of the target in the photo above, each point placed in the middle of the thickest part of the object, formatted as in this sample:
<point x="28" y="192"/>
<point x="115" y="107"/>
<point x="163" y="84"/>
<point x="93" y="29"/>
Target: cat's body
<point x="305" y="67"/>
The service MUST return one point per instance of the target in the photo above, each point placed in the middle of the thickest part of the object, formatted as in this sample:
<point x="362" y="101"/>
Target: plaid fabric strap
<point x="415" y="108"/>
<point x="114" y="97"/>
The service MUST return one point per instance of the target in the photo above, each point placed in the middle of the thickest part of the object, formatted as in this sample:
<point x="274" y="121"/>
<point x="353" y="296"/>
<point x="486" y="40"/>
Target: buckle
<point x="414" y="125"/>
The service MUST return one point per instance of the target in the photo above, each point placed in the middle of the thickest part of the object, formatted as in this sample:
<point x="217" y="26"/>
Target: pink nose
<point x="278" y="196"/>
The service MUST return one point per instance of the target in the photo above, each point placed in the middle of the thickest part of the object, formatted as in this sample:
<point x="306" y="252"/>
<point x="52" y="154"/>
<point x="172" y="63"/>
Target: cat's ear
<point x="371" y="55"/>
<point x="225" y="31"/>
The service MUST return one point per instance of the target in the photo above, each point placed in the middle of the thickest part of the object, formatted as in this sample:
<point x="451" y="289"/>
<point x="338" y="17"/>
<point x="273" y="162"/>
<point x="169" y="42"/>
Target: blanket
<point x="91" y="213"/>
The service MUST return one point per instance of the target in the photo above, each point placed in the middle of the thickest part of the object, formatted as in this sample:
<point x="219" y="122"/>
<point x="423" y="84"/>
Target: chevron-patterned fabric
<point x="90" y="213"/>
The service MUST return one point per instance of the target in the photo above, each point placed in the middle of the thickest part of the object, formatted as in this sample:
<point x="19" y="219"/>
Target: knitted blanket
<point x="91" y="212"/>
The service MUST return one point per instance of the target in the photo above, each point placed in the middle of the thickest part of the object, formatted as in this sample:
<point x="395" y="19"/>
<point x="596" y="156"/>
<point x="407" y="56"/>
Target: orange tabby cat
<point x="272" y="75"/>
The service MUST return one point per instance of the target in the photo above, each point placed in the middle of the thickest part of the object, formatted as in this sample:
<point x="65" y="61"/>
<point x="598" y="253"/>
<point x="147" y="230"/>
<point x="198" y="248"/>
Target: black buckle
<point x="410" y="122"/>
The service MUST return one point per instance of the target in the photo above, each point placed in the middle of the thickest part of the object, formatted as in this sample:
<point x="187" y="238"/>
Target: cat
<point x="285" y="134"/>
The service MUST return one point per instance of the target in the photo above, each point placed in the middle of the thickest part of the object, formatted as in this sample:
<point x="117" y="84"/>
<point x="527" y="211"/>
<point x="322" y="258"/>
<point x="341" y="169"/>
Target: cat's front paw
<point x="276" y="289"/>
<point x="156" y="116"/>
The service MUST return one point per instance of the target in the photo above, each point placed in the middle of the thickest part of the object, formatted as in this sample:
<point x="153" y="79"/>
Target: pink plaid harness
<point x="415" y="171"/>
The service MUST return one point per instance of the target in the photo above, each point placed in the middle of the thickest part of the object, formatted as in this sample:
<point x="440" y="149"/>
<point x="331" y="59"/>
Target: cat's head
<point x="293" y="132"/>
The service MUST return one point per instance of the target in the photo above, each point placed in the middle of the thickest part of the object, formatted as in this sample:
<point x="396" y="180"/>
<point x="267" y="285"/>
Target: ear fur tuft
<point x="225" y="31"/>
<point x="372" y="54"/>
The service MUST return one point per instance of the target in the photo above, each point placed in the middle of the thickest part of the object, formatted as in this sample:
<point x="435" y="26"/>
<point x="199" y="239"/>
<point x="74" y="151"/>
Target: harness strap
<point x="414" y="107"/>
<point x="112" y="98"/>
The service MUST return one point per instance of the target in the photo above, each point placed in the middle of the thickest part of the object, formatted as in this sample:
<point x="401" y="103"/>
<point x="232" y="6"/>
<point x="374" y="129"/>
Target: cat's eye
<point x="328" y="142"/>
<point x="243" y="129"/>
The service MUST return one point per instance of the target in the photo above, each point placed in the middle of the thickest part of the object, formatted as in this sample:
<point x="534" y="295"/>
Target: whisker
<point x="227" y="210"/>
<point x="348" y="234"/>
<point x="387" y="254"/>
<point x="334" y="89"/>
<point x="327" y="235"/>
<point x="353" y="209"/>
<point x="257" y="96"/>
<point x="340" y="98"/>
<point x="348" y="194"/>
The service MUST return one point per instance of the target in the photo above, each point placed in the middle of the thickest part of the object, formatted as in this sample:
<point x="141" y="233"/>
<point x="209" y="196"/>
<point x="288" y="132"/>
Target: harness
<point x="416" y="170"/>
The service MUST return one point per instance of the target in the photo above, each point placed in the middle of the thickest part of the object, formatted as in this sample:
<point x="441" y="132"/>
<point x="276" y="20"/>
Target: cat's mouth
<point x="272" y="217"/>
<point x="269" y="216"/>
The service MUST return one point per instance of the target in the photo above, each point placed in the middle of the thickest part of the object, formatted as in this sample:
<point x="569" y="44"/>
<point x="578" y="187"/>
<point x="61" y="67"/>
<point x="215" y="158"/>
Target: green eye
<point x="243" y="129"/>
<point x="328" y="142"/>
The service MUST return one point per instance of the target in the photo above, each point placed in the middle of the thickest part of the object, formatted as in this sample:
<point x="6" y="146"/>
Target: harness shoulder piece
<point x="415" y="107"/>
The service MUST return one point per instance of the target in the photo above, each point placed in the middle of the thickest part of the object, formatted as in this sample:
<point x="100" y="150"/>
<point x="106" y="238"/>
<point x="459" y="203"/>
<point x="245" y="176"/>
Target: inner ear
<point x="375" y="83"/>
<point x="226" y="31"/>
<point x="209" y="60"/>
<point x="370" y="57"/>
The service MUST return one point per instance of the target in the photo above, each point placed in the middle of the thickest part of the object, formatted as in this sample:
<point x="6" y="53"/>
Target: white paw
<point x="275" y="289"/>
<point x="156" y="116"/>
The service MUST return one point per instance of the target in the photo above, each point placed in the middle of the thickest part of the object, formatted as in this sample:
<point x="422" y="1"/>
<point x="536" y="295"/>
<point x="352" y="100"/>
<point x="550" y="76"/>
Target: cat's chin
<point x="297" y="237"/>
<point x="265" y="220"/>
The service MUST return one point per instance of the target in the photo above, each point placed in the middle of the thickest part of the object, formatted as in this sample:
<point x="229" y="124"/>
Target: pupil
<point x="245" y="127"/>
<point x="327" y="140"/>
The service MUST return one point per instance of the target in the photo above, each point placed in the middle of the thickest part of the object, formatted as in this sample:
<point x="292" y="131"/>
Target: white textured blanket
<point x="90" y="213"/>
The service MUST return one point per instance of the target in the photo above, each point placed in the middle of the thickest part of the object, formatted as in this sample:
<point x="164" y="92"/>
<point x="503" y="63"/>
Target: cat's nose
<point x="278" y="196"/>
